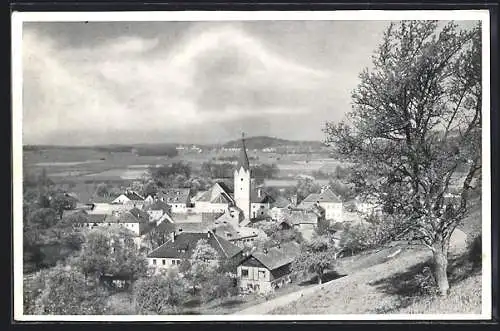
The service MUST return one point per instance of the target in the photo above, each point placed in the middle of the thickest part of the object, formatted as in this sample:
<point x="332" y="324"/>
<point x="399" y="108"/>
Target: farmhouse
<point x="129" y="198"/>
<point x="263" y="272"/>
<point x="217" y="199"/>
<point x="177" y="198"/>
<point x="181" y="245"/>
<point x="328" y="200"/>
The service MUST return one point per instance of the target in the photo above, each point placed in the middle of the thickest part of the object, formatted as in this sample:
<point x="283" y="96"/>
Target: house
<point x="241" y="236"/>
<point x="328" y="200"/>
<point x="158" y="211"/>
<point x="263" y="272"/>
<point x="279" y="206"/>
<point x="129" y="198"/>
<point x="134" y="219"/>
<point x="180" y="247"/>
<point x="177" y="198"/>
<point x="260" y="203"/>
<point x="217" y="199"/>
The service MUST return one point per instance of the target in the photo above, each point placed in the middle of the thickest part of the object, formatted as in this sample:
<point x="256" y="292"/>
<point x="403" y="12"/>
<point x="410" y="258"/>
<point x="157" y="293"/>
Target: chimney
<point x="172" y="236"/>
<point x="265" y="250"/>
<point x="208" y="234"/>
<point x="294" y="199"/>
<point x="259" y="192"/>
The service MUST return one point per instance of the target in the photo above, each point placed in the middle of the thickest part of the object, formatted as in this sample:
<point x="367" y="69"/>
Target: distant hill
<point x="260" y="142"/>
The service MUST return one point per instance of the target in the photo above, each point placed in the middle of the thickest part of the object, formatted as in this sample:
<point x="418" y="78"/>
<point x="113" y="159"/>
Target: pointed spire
<point x="243" y="159"/>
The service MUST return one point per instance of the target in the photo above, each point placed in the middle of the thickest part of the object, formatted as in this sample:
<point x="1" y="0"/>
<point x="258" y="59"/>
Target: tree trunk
<point x="440" y="268"/>
<point x="320" y="274"/>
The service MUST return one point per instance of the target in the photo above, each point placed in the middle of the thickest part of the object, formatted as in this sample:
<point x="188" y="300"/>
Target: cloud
<point x="130" y="86"/>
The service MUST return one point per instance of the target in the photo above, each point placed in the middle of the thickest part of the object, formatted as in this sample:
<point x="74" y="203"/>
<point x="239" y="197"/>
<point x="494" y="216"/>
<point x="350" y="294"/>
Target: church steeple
<point x="243" y="158"/>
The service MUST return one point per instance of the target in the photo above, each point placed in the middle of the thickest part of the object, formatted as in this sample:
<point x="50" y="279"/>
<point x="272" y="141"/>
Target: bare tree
<point x="415" y="130"/>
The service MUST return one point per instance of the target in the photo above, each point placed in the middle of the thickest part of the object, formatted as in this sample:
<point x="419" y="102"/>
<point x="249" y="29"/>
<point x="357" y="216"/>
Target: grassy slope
<point x="378" y="285"/>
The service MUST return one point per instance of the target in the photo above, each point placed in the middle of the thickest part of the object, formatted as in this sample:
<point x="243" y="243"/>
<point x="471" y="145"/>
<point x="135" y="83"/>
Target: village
<point x="373" y="210"/>
<point x="228" y="219"/>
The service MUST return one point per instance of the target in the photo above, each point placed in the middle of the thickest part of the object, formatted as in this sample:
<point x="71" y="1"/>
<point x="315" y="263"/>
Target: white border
<point x="17" y="23"/>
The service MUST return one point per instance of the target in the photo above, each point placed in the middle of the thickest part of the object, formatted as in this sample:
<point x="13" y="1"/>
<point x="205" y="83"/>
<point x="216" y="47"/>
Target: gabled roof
<point x="277" y="257"/>
<point x="326" y="196"/>
<point x="218" y="193"/>
<point x="141" y="215"/>
<point x="96" y="218"/>
<point x="263" y="198"/>
<point x="134" y="196"/>
<point x="159" y="205"/>
<point x="175" y="195"/>
<point x="184" y="244"/>
<point x="165" y="227"/>
<point x="243" y="157"/>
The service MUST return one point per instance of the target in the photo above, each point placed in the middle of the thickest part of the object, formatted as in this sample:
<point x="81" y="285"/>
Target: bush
<point x="475" y="251"/>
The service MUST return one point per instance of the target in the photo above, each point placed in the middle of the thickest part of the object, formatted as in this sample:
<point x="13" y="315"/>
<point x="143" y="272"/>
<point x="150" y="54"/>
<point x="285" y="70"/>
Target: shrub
<point x="475" y="251"/>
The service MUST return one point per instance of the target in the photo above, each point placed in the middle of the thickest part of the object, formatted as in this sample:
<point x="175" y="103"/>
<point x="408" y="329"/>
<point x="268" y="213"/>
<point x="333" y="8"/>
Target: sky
<point x="189" y="82"/>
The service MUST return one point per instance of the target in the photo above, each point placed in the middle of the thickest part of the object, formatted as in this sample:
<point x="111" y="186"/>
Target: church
<point x="244" y="199"/>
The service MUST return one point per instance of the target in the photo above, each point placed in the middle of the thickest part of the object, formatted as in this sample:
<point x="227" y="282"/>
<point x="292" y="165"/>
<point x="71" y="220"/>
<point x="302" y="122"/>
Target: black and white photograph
<point x="198" y="166"/>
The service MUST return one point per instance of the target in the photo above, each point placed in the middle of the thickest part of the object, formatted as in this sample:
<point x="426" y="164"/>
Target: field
<point x="82" y="165"/>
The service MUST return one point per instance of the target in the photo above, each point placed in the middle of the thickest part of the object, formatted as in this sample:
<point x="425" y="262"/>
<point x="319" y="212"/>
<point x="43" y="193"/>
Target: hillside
<point x="260" y="142"/>
<point x="398" y="285"/>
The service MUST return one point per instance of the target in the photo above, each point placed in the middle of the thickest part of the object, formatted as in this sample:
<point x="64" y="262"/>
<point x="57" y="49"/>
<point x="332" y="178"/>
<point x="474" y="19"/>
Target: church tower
<point x="242" y="181"/>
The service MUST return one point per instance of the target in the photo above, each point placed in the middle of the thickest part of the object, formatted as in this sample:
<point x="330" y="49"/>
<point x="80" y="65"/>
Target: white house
<point x="129" y="198"/>
<point x="328" y="200"/>
<point x="216" y="199"/>
<point x="178" y="198"/>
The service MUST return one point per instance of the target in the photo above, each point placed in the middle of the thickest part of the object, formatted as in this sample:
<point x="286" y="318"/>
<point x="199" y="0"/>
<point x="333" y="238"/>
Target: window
<point x="154" y="261"/>
<point x="173" y="262"/>
<point x="163" y="262"/>
<point x="261" y="207"/>
<point x="244" y="273"/>
<point x="241" y="179"/>
<point x="178" y="262"/>
<point x="262" y="274"/>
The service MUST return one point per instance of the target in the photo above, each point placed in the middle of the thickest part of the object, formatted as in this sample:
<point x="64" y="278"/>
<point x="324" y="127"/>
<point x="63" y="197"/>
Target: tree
<point x="416" y="119"/>
<point x="111" y="251"/>
<point x="316" y="257"/>
<point x="67" y="293"/>
<point x="160" y="293"/>
<point x="204" y="264"/>
<point x="102" y="190"/>
<point x="61" y="202"/>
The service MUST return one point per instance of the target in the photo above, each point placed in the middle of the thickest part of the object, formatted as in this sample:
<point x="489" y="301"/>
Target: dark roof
<point x="165" y="227"/>
<point x="277" y="257"/>
<point x="243" y="158"/>
<point x="264" y="197"/>
<point x="225" y="187"/>
<point x="184" y="244"/>
<point x="97" y="218"/>
<point x="159" y="205"/>
<point x="281" y="202"/>
<point x="326" y="196"/>
<point x="141" y="215"/>
<point x="175" y="195"/>
<point x="133" y="196"/>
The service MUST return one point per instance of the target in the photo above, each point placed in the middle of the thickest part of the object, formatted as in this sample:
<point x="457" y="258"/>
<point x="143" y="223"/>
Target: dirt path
<point x="265" y="307"/>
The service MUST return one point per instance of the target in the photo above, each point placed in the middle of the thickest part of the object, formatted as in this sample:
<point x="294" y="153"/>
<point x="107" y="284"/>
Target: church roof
<point x="243" y="158"/>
